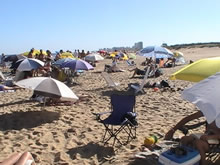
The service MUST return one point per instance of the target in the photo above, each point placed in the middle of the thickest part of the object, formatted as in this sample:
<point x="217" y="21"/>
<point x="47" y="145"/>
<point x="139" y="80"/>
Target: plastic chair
<point x="139" y="87"/>
<point x="122" y="119"/>
<point x="109" y="80"/>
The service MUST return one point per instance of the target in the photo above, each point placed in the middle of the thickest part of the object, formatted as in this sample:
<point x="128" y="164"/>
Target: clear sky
<point x="94" y="24"/>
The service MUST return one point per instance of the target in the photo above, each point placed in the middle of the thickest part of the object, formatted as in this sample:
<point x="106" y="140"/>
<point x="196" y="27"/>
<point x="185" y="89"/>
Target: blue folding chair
<point x="122" y="119"/>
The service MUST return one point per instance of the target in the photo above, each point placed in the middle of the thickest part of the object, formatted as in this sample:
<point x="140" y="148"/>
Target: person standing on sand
<point x="3" y="61"/>
<point x="30" y="54"/>
<point x="76" y="55"/>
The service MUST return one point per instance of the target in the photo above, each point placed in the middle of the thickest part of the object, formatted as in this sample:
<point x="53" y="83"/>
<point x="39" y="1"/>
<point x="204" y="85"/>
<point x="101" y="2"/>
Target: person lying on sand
<point x="7" y="88"/>
<point x="19" y="159"/>
<point x="113" y="67"/>
<point x="212" y="132"/>
<point x="138" y="71"/>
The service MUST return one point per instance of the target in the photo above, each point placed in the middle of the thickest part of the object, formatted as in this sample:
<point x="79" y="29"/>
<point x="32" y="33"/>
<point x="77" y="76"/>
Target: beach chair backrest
<point x="2" y="76"/>
<point x="144" y="80"/>
<point x="108" y="79"/>
<point x="121" y="104"/>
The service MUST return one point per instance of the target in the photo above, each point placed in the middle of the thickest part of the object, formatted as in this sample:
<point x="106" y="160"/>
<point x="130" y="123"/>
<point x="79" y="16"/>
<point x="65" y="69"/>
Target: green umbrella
<point x="131" y="55"/>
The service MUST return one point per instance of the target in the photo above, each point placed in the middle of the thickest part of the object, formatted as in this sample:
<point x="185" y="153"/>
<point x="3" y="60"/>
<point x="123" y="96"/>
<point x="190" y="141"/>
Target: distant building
<point x="138" y="46"/>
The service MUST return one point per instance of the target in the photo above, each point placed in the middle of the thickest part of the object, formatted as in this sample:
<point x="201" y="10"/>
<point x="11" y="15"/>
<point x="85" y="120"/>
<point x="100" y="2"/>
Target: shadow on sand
<point x="92" y="149"/>
<point x="31" y="119"/>
<point x="15" y="103"/>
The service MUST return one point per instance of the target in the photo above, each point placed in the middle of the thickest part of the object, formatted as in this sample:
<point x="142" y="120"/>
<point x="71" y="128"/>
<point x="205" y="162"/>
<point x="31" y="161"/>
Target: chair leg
<point x="113" y="133"/>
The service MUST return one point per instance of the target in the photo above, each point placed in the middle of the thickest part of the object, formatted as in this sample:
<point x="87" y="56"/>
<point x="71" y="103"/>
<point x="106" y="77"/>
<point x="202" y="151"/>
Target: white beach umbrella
<point x="48" y="87"/>
<point x="205" y="95"/>
<point x="29" y="64"/>
<point x="94" y="57"/>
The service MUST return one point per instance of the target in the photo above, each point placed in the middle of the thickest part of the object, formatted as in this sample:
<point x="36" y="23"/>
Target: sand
<point x="71" y="134"/>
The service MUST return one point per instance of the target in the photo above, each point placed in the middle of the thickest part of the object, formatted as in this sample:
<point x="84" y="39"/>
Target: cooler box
<point x="191" y="157"/>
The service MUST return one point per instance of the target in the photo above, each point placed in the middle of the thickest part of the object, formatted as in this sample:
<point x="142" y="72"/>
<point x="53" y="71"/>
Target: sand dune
<point x="71" y="135"/>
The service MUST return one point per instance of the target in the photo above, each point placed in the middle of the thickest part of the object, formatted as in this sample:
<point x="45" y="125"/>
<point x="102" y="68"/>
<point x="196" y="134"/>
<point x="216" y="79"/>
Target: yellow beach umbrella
<point x="66" y="55"/>
<point x="198" y="70"/>
<point x="34" y="53"/>
<point x="125" y="57"/>
<point x="112" y="55"/>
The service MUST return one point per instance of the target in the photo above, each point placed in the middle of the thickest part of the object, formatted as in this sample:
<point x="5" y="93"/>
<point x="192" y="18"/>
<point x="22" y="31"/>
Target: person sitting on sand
<point x="171" y="62"/>
<point x="200" y="143"/>
<point x="148" y="61"/>
<point x="19" y="159"/>
<point x="113" y="67"/>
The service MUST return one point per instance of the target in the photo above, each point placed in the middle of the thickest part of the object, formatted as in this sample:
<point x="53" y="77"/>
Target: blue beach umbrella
<point x="77" y="65"/>
<point x="155" y="52"/>
<point x="63" y="60"/>
<point x="29" y="64"/>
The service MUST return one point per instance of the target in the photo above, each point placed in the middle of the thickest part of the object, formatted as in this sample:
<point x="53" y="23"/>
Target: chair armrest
<point x="98" y="115"/>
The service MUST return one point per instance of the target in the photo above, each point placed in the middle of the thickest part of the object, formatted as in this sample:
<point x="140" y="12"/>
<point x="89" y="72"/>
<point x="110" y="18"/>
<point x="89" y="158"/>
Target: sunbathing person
<point x="19" y="159"/>
<point x="147" y="61"/>
<point x="212" y="132"/>
<point x="7" y="88"/>
<point x="151" y="73"/>
<point x="113" y="67"/>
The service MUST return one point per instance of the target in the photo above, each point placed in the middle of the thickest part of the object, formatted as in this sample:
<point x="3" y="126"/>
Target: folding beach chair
<point x="121" y="123"/>
<point x="139" y="87"/>
<point x="109" y="80"/>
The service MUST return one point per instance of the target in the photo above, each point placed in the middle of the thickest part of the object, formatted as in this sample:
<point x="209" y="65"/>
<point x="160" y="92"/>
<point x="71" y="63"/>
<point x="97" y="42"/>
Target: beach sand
<point x="71" y="135"/>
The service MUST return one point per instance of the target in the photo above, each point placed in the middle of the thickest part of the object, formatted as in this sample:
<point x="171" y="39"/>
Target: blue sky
<point x="94" y="24"/>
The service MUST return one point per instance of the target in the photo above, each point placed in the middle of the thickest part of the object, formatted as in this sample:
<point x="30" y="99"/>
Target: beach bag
<point x="131" y="116"/>
<point x="164" y="83"/>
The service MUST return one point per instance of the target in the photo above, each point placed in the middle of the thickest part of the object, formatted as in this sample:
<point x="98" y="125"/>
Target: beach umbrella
<point x="48" y="87"/>
<point x="178" y="54"/>
<point x="179" y="58"/>
<point x="131" y="56"/>
<point x="63" y="60"/>
<point x="66" y="55"/>
<point x="205" y="95"/>
<point x="119" y="54"/>
<point x="14" y="58"/>
<point x="155" y="52"/>
<point x="77" y="65"/>
<point x="94" y="57"/>
<point x="198" y="70"/>
<point x="29" y="64"/>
